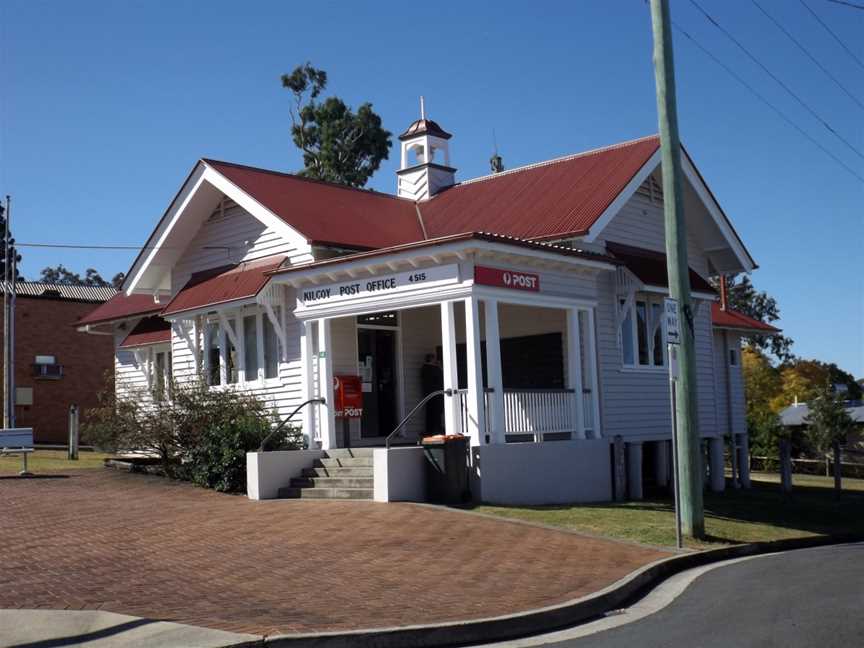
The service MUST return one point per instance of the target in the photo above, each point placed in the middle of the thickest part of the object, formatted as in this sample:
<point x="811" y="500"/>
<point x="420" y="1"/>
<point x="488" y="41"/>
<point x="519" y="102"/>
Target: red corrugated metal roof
<point x="552" y="199"/>
<point x="150" y="330"/>
<point x="734" y="320"/>
<point x="328" y="213"/>
<point x="548" y="200"/>
<point x="221" y="285"/>
<point x="650" y="266"/>
<point x="119" y="307"/>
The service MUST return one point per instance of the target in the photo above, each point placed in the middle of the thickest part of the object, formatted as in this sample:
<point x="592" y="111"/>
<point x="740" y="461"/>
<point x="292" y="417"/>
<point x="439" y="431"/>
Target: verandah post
<point x="494" y="372"/>
<point x="327" y="415"/>
<point x="475" y="396"/>
<point x="307" y="386"/>
<point x="574" y="371"/>
<point x="450" y="368"/>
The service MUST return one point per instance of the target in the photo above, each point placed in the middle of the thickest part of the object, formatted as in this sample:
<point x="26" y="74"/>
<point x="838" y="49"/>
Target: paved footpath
<point x="148" y="547"/>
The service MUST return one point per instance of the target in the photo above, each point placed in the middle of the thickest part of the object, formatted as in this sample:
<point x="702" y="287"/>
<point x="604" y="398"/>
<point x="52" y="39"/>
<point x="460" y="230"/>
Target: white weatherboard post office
<point x="540" y="290"/>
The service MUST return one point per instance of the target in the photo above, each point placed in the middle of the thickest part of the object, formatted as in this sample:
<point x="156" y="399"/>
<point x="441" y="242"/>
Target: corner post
<point x="475" y="396"/>
<point x="327" y="413"/>
<point x="307" y="378"/>
<point x="497" y="423"/>
<point x="450" y="368"/>
<point x="574" y="371"/>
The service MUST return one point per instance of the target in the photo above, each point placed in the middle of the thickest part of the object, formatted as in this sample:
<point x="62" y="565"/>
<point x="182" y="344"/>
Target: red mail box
<point x="348" y="394"/>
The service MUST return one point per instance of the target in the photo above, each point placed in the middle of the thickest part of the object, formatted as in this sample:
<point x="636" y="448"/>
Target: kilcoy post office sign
<point x="383" y="285"/>
<point x="511" y="279"/>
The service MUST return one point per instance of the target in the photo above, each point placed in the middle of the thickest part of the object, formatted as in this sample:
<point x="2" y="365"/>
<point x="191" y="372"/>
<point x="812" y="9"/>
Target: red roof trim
<point x="222" y="285"/>
<point x="731" y="319"/>
<point x="151" y="330"/>
<point x="119" y="307"/>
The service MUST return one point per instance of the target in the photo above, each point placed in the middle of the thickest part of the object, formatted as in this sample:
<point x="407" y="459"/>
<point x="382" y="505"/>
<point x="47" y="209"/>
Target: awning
<point x="730" y="319"/>
<point x="150" y="330"/>
<point x="222" y="285"/>
<point x="121" y="306"/>
<point x="650" y="267"/>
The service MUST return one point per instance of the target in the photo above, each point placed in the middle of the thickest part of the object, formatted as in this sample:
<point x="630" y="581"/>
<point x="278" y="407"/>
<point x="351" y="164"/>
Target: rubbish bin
<point x="446" y="468"/>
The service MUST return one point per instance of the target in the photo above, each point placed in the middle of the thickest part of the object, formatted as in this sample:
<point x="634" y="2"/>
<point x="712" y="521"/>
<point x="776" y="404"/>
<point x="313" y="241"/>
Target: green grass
<point x="762" y="513"/>
<point x="42" y="461"/>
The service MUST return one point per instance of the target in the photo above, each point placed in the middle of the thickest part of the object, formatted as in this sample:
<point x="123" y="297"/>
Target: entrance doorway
<point x="378" y="365"/>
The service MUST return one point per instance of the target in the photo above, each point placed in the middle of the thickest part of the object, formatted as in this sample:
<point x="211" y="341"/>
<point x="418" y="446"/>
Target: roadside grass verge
<point x="51" y="461"/>
<point x="762" y="513"/>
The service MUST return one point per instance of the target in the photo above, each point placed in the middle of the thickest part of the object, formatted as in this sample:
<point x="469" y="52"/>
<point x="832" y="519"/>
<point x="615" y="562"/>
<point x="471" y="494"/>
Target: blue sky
<point x="105" y="106"/>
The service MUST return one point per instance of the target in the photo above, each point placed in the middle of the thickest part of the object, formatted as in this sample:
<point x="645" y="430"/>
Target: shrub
<point x="201" y="435"/>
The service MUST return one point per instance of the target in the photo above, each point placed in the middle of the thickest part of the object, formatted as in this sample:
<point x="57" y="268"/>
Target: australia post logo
<point x="507" y="279"/>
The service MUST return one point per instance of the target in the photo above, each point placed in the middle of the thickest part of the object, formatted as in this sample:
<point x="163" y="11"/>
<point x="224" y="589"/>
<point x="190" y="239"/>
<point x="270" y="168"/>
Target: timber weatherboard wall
<point x="635" y="402"/>
<point x="736" y="384"/>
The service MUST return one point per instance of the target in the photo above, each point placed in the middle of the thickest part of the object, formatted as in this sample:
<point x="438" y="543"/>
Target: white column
<point x="450" y="368"/>
<point x="497" y="424"/>
<point x="661" y="463"/>
<point x="634" y="470"/>
<point x="592" y="368"/>
<point x="475" y="396"/>
<point x="744" y="460"/>
<point x="307" y="377"/>
<point x="715" y="461"/>
<point x="574" y="370"/>
<point x="326" y="419"/>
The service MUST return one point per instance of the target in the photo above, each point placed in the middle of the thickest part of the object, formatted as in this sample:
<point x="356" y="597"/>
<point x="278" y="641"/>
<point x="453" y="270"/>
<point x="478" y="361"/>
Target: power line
<point x="809" y="55"/>
<point x="848" y="4"/>
<point x="759" y="96"/>
<point x="774" y="76"/>
<point x="835" y="36"/>
<point x="93" y="247"/>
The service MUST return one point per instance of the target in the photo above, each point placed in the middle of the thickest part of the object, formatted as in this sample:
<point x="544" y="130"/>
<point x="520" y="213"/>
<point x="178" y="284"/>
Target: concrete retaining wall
<point x="267" y="472"/>
<point x="400" y="475"/>
<point x="542" y="473"/>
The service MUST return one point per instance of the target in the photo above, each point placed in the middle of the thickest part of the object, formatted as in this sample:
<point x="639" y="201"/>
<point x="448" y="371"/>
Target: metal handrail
<point x="287" y="419"/>
<point x="426" y="399"/>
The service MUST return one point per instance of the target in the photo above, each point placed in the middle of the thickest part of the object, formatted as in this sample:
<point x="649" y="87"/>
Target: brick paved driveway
<point x="149" y="547"/>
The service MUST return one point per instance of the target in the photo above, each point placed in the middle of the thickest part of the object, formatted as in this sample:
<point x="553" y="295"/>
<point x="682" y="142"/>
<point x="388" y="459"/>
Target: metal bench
<point x="17" y="441"/>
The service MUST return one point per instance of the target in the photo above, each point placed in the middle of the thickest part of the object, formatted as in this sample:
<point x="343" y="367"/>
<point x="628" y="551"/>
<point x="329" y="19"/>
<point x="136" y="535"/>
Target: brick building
<point x="55" y="364"/>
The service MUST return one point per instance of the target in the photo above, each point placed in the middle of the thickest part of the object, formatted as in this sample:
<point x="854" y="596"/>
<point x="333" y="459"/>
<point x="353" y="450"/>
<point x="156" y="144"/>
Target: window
<point x="733" y="357"/>
<point x="642" y="334"/>
<point x="271" y="346"/>
<point x="45" y="366"/>
<point x="250" y="347"/>
<point x="213" y="357"/>
<point x="160" y="377"/>
<point x="259" y="342"/>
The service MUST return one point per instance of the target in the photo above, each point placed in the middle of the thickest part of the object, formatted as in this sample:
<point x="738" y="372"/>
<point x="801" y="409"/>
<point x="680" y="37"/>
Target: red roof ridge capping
<point x="223" y="284"/>
<point x="558" y="160"/>
<point x="733" y="319"/>
<point x="121" y="306"/>
<point x="150" y="330"/>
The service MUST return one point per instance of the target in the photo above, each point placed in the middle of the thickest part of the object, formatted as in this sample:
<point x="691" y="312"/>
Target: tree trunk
<point x="838" y="470"/>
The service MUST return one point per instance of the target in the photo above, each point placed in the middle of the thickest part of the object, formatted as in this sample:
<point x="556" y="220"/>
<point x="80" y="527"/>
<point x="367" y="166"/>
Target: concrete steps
<point x="342" y="474"/>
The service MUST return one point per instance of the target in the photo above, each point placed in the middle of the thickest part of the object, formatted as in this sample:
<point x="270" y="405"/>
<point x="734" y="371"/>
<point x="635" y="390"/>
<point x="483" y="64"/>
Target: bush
<point x="201" y="435"/>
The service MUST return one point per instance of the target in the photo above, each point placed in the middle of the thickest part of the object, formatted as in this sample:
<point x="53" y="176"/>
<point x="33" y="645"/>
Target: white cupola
<point x="425" y="167"/>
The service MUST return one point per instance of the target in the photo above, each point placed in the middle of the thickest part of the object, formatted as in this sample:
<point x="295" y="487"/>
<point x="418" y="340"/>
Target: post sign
<point x="673" y="323"/>
<point x="512" y="279"/>
<point x="348" y="396"/>
<point x="379" y="285"/>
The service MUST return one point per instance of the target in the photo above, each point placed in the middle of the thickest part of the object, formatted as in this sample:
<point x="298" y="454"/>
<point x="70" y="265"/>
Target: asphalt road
<point x="810" y="598"/>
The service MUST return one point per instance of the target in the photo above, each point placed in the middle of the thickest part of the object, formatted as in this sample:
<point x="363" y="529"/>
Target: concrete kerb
<point x="546" y="619"/>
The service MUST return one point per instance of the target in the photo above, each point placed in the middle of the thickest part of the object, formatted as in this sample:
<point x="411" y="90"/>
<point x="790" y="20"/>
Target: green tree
<point x="338" y="144"/>
<point x="62" y="275"/>
<point x="744" y="298"/>
<point x="828" y="425"/>
<point x="762" y="385"/>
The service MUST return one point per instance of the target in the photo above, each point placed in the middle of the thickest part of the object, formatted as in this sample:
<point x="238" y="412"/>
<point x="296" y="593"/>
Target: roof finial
<point x="422" y="108"/>
<point x="496" y="161"/>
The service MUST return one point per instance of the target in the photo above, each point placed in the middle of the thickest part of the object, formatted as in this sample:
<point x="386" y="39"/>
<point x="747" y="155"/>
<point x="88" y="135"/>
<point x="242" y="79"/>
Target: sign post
<point x="673" y="339"/>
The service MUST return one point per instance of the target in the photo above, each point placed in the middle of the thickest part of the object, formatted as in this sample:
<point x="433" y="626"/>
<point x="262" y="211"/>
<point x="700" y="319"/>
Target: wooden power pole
<point x="689" y="446"/>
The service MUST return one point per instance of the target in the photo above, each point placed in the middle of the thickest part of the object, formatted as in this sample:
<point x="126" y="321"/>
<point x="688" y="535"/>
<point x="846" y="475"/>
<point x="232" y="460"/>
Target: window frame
<point x="237" y="320"/>
<point x="649" y="300"/>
